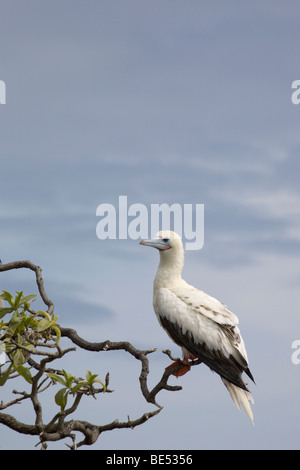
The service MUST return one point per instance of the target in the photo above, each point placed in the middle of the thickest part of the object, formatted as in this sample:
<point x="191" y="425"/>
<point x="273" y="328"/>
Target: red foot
<point x="183" y="369"/>
<point x="185" y="366"/>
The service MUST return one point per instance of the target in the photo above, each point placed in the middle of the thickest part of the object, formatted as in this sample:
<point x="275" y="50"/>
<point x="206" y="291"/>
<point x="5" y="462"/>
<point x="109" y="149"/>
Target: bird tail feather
<point x="240" y="396"/>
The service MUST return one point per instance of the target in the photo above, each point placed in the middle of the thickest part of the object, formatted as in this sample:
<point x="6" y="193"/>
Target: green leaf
<point x="43" y="325"/>
<point x="69" y="378"/>
<point x="4" y="311"/>
<point x="25" y="372"/>
<point x="30" y="322"/>
<point x="57" y="378"/>
<point x="78" y="386"/>
<point x="15" y="321"/>
<point x="19" y="338"/>
<point x="91" y="378"/>
<point x="29" y="347"/>
<point x="28" y="298"/>
<point x="88" y="375"/>
<point x="99" y="381"/>
<point x="18" y="358"/>
<point x="45" y="314"/>
<point x="17" y="300"/>
<point x="8" y="297"/>
<point x="4" y="376"/>
<point x="61" y="398"/>
<point x="57" y="332"/>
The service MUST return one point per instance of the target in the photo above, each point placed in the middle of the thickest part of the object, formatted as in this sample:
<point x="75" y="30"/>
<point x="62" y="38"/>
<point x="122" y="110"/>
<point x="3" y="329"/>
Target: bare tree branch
<point x="39" y="279"/>
<point x="58" y="427"/>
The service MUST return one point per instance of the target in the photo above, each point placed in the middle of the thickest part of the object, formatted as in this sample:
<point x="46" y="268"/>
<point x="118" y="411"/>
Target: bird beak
<point x="155" y="243"/>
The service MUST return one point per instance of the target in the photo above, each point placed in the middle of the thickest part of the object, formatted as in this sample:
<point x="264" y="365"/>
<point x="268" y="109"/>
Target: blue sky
<point x="164" y="102"/>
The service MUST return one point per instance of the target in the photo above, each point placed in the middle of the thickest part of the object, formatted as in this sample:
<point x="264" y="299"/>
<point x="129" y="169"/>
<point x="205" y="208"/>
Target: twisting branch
<point x="30" y="338"/>
<point x="39" y="278"/>
<point x="150" y="396"/>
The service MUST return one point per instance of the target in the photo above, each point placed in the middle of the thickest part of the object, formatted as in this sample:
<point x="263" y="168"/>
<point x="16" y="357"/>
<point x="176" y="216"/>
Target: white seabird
<point x="201" y="325"/>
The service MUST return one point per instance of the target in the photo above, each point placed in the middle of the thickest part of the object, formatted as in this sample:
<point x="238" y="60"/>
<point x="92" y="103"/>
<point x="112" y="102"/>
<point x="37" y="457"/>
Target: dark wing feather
<point x="226" y="367"/>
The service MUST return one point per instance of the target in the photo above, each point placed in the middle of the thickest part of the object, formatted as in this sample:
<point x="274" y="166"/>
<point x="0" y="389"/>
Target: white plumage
<point x="199" y="323"/>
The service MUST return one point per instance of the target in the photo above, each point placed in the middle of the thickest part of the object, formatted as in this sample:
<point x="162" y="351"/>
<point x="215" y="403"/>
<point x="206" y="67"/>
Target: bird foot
<point x="185" y="366"/>
<point x="183" y="369"/>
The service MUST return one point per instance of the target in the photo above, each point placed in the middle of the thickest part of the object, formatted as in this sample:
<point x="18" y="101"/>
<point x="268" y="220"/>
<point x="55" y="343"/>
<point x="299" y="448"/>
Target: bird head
<point x="163" y="241"/>
<point x="171" y="253"/>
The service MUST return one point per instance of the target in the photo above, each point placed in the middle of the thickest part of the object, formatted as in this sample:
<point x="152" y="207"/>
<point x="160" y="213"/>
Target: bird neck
<point x="169" y="269"/>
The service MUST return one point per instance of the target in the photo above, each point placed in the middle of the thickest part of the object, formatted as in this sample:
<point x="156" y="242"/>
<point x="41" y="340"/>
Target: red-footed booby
<point x="201" y="325"/>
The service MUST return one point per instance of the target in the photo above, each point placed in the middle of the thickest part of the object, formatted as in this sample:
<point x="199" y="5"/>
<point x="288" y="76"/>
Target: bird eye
<point x="166" y="240"/>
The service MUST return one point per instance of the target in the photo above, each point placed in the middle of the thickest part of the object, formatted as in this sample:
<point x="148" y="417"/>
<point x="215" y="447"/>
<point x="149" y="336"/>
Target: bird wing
<point x="204" y="327"/>
<point x="203" y="303"/>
